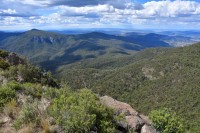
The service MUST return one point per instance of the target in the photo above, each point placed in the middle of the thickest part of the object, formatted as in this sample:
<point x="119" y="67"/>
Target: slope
<point x="157" y="78"/>
<point x="31" y="101"/>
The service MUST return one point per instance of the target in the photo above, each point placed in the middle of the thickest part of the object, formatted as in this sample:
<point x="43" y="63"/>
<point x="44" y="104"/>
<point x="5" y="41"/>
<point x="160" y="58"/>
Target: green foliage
<point x="11" y="73"/>
<point x="24" y="72"/>
<point x="28" y="114"/>
<point x="33" y="74"/>
<point x="29" y="73"/>
<point x="3" y="64"/>
<point x="166" y="121"/>
<point x="14" y="85"/>
<point x="6" y="94"/>
<point x="35" y="90"/>
<point x="3" y="54"/>
<point x="80" y="111"/>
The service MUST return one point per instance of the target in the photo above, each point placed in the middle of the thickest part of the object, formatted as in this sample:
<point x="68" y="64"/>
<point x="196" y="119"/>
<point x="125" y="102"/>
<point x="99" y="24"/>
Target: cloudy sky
<point x="127" y="14"/>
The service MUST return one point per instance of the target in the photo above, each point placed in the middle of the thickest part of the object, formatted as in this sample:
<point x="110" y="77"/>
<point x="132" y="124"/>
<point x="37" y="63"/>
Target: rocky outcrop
<point x="133" y="121"/>
<point x="14" y="59"/>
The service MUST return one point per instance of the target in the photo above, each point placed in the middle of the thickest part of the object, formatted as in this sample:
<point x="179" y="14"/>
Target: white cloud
<point x="170" y="8"/>
<point x="34" y="2"/>
<point x="8" y="11"/>
<point x="87" y="11"/>
<point x="106" y="13"/>
<point x="8" y="20"/>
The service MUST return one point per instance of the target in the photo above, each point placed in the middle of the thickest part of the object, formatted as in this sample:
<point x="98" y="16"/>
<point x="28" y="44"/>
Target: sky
<point x="80" y="14"/>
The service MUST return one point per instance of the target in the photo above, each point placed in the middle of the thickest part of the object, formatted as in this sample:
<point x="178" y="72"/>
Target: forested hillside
<point x="155" y="78"/>
<point x="152" y="79"/>
<point x="31" y="101"/>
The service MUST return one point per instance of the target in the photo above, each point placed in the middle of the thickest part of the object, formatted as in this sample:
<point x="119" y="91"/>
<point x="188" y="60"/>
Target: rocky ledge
<point x="133" y="121"/>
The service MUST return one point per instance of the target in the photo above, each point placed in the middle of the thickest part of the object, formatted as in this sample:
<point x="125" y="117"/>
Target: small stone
<point x="4" y="120"/>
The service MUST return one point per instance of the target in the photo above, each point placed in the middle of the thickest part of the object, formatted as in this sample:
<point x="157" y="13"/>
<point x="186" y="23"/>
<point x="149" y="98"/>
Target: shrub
<point x="3" y="64"/>
<point x="11" y="73"/>
<point x="27" y="73"/>
<point x="15" y="85"/>
<point x="28" y="115"/>
<point x="11" y="109"/>
<point x="3" y="54"/>
<point x="34" y="90"/>
<point x="166" y="121"/>
<point x="80" y="111"/>
<point x="6" y="95"/>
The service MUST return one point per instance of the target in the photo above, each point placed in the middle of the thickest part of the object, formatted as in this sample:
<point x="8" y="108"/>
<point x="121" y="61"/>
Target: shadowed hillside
<point x="51" y="50"/>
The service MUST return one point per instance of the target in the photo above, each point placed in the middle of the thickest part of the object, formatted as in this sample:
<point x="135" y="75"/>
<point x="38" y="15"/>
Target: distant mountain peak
<point x="35" y="30"/>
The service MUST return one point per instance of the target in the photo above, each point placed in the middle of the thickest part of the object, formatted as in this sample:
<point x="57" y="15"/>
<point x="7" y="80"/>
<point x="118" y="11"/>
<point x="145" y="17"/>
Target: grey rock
<point x="146" y="119"/>
<point x="148" y="129"/>
<point x="134" y="122"/>
<point x="119" y="107"/>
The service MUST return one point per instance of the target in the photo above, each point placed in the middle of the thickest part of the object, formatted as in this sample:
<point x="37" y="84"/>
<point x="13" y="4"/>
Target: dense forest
<point x="31" y="100"/>
<point x="152" y="79"/>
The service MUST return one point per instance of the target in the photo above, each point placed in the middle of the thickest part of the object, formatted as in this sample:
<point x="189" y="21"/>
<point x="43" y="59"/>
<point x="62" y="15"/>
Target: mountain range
<point x="50" y="49"/>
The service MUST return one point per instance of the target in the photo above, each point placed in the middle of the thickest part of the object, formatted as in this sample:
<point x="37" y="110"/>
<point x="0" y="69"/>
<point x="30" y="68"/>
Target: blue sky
<point x="126" y="14"/>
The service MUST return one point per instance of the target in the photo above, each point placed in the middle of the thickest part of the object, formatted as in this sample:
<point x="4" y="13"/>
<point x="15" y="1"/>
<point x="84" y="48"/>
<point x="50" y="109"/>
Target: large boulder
<point x="132" y="119"/>
<point x="119" y="107"/>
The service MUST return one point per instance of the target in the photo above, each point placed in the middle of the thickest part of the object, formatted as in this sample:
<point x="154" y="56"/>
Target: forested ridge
<point x="154" y="79"/>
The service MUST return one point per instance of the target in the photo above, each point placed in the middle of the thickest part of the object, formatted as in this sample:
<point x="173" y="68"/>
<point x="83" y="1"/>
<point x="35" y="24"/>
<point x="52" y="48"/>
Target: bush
<point x="34" y="90"/>
<point x="28" y="115"/>
<point x="6" y="95"/>
<point x="166" y="121"/>
<point x="11" y="109"/>
<point x="14" y="86"/>
<point x="3" y="64"/>
<point x="3" y="54"/>
<point x="32" y="74"/>
<point x="11" y="73"/>
<point x="80" y="111"/>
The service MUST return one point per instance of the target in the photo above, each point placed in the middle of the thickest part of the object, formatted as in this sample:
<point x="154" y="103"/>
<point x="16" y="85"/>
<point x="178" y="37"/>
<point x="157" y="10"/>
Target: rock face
<point x="132" y="121"/>
<point x="148" y="129"/>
